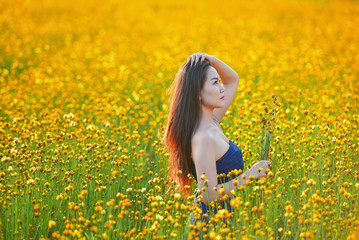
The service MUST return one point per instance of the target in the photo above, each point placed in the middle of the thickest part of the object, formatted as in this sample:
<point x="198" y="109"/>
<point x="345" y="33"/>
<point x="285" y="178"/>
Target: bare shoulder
<point x="206" y="136"/>
<point x="203" y="140"/>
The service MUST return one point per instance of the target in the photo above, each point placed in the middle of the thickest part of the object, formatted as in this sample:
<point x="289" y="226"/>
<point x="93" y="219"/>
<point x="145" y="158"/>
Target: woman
<point x="193" y="135"/>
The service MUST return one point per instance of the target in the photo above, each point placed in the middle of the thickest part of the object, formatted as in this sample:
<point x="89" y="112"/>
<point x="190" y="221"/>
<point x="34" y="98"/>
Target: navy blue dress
<point x="231" y="160"/>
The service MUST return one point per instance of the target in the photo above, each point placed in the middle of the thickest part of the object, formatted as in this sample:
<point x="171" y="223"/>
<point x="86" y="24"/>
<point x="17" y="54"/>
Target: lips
<point x="222" y="97"/>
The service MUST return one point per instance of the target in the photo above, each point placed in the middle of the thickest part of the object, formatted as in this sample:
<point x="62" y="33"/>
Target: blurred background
<point x="83" y="106"/>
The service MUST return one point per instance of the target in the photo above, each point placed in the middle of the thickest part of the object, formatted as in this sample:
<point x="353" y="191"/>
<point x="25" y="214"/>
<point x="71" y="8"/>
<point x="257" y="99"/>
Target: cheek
<point x="213" y="90"/>
<point x="213" y="94"/>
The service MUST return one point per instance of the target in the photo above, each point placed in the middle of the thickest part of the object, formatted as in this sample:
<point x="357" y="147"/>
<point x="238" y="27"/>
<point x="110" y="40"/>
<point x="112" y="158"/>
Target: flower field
<point x="84" y="105"/>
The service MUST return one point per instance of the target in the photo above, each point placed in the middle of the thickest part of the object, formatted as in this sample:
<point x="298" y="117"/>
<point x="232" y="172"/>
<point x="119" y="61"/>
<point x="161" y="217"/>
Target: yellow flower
<point x="52" y="223"/>
<point x="31" y="181"/>
<point x="93" y="229"/>
<point x="203" y="176"/>
<point x="115" y="173"/>
<point x="221" y="191"/>
<point x="224" y="231"/>
<point x="177" y="196"/>
<point x="311" y="182"/>
<point x="37" y="207"/>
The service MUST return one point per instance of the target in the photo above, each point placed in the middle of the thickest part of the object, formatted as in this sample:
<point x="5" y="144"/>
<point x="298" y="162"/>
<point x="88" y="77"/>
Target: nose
<point x="222" y="88"/>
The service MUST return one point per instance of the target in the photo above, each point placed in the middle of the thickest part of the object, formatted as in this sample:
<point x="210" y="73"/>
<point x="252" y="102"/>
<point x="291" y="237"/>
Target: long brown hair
<point x="183" y="120"/>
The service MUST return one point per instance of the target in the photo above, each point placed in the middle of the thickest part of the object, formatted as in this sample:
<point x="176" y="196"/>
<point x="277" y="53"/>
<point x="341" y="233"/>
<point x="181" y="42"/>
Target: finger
<point x="190" y="60"/>
<point x="196" y="60"/>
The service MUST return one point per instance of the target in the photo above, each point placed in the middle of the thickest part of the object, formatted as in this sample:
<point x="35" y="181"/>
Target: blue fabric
<point x="231" y="160"/>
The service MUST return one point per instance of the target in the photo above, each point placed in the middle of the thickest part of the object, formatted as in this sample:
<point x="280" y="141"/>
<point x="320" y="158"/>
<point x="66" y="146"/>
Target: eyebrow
<point x="215" y="78"/>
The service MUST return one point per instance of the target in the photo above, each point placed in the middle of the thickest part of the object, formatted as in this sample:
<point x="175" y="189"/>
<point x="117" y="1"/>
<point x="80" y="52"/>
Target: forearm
<point x="226" y="73"/>
<point x="241" y="180"/>
<point x="216" y="193"/>
<point x="227" y="188"/>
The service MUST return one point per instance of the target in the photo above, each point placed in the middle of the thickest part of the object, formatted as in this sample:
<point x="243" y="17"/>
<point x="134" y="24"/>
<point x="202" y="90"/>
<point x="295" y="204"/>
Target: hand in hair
<point x="196" y="57"/>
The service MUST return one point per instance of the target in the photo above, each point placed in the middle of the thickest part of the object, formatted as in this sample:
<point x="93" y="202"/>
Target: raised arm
<point x="230" y="80"/>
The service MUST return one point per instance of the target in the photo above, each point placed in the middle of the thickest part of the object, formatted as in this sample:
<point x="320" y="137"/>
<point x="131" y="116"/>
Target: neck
<point x="206" y="117"/>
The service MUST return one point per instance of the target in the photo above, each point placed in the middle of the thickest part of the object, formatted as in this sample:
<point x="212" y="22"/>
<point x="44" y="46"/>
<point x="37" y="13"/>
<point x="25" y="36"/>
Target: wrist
<point x="243" y="178"/>
<point x="212" y="59"/>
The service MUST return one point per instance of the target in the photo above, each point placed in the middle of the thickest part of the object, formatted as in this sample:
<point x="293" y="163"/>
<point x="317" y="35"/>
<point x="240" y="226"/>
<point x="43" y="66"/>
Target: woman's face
<point x="212" y="93"/>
